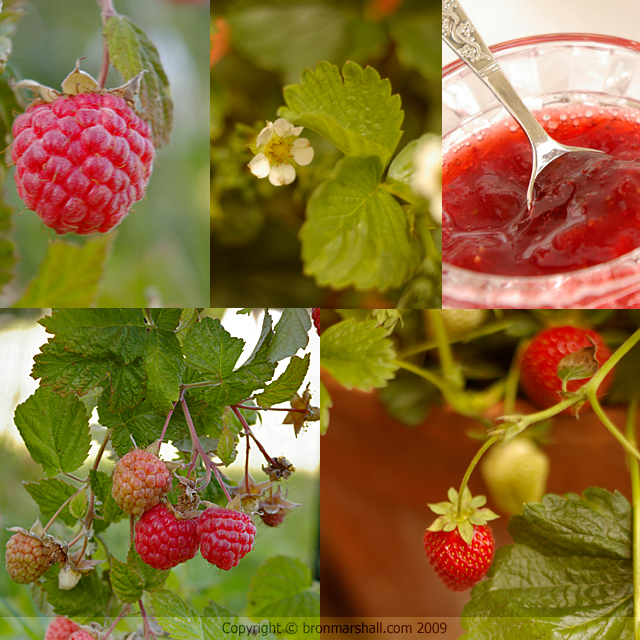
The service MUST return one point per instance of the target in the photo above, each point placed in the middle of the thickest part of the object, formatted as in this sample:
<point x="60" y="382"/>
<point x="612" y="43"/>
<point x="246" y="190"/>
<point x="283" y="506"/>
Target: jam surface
<point x="586" y="209"/>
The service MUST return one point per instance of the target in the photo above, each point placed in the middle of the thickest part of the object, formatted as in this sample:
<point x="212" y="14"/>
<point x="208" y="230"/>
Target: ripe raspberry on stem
<point x="163" y="540"/>
<point x="226" y="536"/>
<point x="140" y="479"/>
<point x="459" y="544"/>
<point x="83" y="157"/>
<point x="60" y="629"/>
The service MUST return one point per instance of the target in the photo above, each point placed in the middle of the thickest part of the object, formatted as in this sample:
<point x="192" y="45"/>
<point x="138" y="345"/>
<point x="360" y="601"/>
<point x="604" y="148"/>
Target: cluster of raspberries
<point x="164" y="539"/>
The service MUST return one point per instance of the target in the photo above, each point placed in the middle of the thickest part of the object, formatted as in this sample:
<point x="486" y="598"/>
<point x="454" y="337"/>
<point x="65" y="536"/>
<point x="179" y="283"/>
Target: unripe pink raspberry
<point x="81" y="161"/>
<point x="60" y="629"/>
<point x="226" y="536"/>
<point x="27" y="558"/>
<point x="163" y="541"/>
<point x="140" y="479"/>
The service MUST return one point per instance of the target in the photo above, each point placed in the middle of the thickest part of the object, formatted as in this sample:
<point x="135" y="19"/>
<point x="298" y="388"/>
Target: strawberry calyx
<point x="469" y="514"/>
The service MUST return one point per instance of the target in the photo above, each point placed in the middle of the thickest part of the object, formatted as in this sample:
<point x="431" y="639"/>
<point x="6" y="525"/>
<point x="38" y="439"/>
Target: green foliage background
<point x="159" y="254"/>
<point x="255" y="246"/>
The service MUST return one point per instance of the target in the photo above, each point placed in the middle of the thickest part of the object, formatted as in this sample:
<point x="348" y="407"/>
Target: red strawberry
<point x="539" y="366"/>
<point x="459" y="564"/>
<point x="459" y="544"/>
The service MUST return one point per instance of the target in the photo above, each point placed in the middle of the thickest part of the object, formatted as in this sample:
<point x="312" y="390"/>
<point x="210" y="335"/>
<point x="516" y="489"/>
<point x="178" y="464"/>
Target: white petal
<point x="265" y="135"/>
<point x="282" y="174"/>
<point x="260" y="166"/>
<point x="302" y="152"/>
<point x="297" y="130"/>
<point x="283" y="128"/>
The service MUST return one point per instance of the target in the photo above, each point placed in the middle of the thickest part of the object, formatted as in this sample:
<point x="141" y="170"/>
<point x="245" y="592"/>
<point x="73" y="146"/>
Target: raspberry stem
<point x="288" y="410"/>
<point x="196" y="444"/>
<point x="249" y="433"/>
<point x="126" y="609"/>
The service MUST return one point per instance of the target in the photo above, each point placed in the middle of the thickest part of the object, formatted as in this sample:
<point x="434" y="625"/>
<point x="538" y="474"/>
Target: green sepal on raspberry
<point x="470" y="514"/>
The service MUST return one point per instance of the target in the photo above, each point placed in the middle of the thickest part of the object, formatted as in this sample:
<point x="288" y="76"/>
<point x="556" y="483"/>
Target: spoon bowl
<point x="462" y="37"/>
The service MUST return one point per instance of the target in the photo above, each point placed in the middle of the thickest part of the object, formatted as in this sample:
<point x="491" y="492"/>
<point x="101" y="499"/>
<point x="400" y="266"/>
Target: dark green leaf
<point x="89" y="598"/>
<point x="291" y="334"/>
<point x="209" y="348"/>
<point x="128" y="384"/>
<point x="49" y="494"/>
<point x="164" y="365"/>
<point x="287" y="385"/>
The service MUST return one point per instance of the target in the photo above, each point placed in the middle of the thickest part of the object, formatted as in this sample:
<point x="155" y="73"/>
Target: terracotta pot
<point x="378" y="476"/>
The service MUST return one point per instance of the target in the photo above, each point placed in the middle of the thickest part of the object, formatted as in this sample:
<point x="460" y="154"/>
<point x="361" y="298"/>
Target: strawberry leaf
<point x="131" y="51"/>
<point x="569" y="574"/>
<point x="578" y="365"/>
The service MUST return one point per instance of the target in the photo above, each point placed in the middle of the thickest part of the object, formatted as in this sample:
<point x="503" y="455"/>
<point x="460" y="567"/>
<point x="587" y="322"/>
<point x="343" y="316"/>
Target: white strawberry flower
<point x="278" y="149"/>
<point x="428" y="176"/>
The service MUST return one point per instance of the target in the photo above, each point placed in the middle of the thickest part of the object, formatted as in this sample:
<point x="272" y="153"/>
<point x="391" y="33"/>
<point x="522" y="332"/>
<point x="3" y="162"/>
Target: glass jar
<point x="547" y="71"/>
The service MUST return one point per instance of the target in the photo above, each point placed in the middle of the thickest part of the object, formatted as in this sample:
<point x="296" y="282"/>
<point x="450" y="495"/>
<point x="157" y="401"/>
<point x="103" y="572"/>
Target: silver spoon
<point x="461" y="36"/>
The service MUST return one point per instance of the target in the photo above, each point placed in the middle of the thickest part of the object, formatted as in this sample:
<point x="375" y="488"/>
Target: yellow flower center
<point x="279" y="149"/>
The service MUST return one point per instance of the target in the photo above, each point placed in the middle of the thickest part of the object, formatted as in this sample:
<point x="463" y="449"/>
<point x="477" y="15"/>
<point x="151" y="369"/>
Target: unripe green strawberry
<point x="515" y="473"/>
<point x="458" y="322"/>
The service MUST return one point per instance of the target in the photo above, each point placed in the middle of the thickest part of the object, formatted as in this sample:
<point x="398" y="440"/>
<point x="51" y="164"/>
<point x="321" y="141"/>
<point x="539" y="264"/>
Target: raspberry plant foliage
<point x="156" y="376"/>
<point x="570" y="570"/>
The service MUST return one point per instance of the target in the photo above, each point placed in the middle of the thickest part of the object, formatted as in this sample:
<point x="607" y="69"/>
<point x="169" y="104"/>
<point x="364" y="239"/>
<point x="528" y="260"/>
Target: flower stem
<point x="444" y="348"/>
<point x="622" y="350"/>
<point x="635" y="496"/>
<point x="470" y="469"/>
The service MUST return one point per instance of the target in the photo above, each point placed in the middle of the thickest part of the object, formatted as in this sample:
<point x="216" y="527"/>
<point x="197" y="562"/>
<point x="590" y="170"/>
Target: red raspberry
<point x="27" y="558"/>
<point x="315" y="316"/>
<point x="81" y="161"/>
<point x="458" y="564"/>
<point x="82" y="635"/>
<point x="60" y="629"/>
<point x="163" y="541"/>
<point x="226" y="536"/>
<point x="140" y="479"/>
<point x="539" y="366"/>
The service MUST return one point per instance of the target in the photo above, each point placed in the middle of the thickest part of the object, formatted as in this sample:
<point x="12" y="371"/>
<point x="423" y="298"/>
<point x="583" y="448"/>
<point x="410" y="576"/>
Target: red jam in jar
<point x="586" y="211"/>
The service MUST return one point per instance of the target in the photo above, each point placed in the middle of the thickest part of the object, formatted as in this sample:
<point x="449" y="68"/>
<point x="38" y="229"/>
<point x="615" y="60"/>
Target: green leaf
<point x="291" y="334"/>
<point x="130" y="579"/>
<point x="287" y="385"/>
<point x="69" y="275"/>
<point x="99" y="332"/>
<point x="164" y="365"/>
<point x="132" y="51"/>
<point x="359" y="116"/>
<point x="55" y="430"/>
<point x="68" y="372"/>
<point x="356" y="233"/>
<point x="78" y="506"/>
<point x="401" y="170"/>
<point x="107" y="509"/>
<point x="282" y="587"/>
<point x="408" y="398"/>
<point x="227" y="443"/>
<point x="176" y="617"/>
<point x="49" y="494"/>
<point x="209" y="348"/>
<point x="168" y="319"/>
<point x="358" y="354"/>
<point x="569" y="574"/>
<point x="89" y="598"/>
<point x="7" y="247"/>
<point x="128" y="384"/>
<point x="261" y="350"/>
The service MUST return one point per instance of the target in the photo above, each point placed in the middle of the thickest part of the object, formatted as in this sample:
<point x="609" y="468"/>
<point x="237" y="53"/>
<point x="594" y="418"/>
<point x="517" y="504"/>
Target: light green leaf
<point x="359" y="116"/>
<point x="401" y="170"/>
<point x="282" y="587"/>
<point x="210" y="348"/>
<point x="287" y="385"/>
<point x="226" y="450"/>
<point x="291" y="334"/>
<point x="176" y="617"/>
<point x="55" y="430"/>
<point x="49" y="494"/>
<point x="164" y="365"/>
<point x="130" y="579"/>
<point x="132" y="51"/>
<point x="569" y="575"/>
<point x="356" y="234"/>
<point x="69" y="275"/>
<point x="78" y="506"/>
<point x="325" y="405"/>
<point x="358" y="354"/>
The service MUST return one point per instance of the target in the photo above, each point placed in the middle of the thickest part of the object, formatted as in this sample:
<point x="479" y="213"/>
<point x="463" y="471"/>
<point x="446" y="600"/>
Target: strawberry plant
<point x="524" y="384"/>
<point x="352" y="155"/>
<point x="175" y="407"/>
<point x="91" y="177"/>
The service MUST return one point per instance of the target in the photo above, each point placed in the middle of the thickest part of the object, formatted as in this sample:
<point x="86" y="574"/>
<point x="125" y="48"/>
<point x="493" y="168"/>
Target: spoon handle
<point x="460" y="35"/>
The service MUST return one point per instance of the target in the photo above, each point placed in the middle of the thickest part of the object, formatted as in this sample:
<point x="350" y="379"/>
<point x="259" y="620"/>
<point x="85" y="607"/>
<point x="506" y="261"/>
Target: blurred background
<point x="258" y="47"/>
<point x="160" y="254"/>
<point x="196" y="581"/>
<point x="501" y="20"/>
